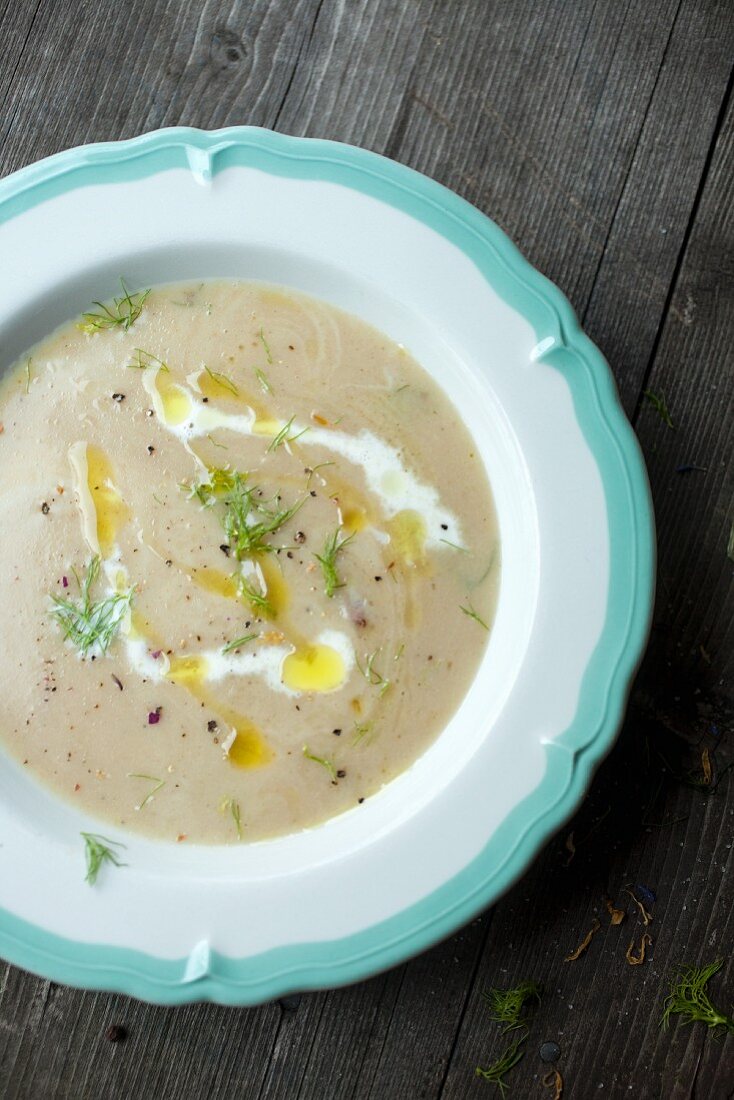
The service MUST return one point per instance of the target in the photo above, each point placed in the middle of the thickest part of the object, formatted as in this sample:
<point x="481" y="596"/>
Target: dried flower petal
<point x="706" y="767"/>
<point x="617" y="915"/>
<point x="154" y="716"/>
<point x="646" y="916"/>
<point x="553" y="1079"/>
<point x="584" y="943"/>
<point x="65" y="582"/>
<point x="635" y="960"/>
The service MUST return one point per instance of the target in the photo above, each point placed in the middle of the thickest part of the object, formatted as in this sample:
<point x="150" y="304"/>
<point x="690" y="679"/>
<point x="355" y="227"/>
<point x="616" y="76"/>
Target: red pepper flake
<point x="180" y="837"/>
<point x="154" y="716"/>
<point x="65" y="582"/>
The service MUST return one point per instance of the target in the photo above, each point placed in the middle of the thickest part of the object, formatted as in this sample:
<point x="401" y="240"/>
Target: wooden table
<point x="598" y="134"/>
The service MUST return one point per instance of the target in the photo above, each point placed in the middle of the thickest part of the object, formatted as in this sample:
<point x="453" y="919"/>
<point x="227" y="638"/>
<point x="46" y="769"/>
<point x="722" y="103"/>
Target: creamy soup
<point x="249" y="561"/>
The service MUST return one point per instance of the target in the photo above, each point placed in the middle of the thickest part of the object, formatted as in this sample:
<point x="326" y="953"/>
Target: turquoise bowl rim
<point x="572" y="757"/>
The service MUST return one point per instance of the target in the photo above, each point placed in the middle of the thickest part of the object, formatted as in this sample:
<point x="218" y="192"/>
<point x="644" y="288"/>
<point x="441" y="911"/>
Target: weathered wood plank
<point x="642" y="823"/>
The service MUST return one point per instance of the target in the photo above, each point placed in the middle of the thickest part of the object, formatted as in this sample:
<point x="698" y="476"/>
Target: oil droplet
<point x="313" y="668"/>
<point x="218" y="388"/>
<point x="267" y="425"/>
<point x="353" y="520"/>
<point x="249" y="749"/>
<point x="276" y="587"/>
<point x="175" y="401"/>
<point x="189" y="672"/>
<point x="408" y="535"/>
<point x="112" y="511"/>
<point x="214" y="580"/>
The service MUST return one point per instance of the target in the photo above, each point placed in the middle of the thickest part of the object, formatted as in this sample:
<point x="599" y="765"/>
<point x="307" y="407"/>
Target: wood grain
<point x="599" y="135"/>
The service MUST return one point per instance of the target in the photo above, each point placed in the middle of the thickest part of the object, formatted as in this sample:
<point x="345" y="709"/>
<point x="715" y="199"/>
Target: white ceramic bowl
<point x="363" y="891"/>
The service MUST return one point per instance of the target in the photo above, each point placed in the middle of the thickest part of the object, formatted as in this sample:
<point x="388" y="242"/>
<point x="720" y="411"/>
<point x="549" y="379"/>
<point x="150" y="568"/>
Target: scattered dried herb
<point x="231" y="804"/>
<point x="157" y="785"/>
<point x="266" y="346"/>
<point x="371" y="675"/>
<point x="263" y="380"/>
<point x="222" y="380"/>
<point x="238" y="642"/>
<point x="639" y="958"/>
<point x="689" y="999"/>
<point x="584" y="943"/>
<point x="123" y="313"/>
<point x="497" y="1071"/>
<point x="473" y="615"/>
<point x="99" y="850"/>
<point x="332" y="548"/>
<point x="284" y="437"/>
<point x="553" y="1080"/>
<point x="616" y="915"/>
<point x="257" y="600"/>
<point x="28" y="375"/>
<point x="117" y="680"/>
<point x="362" y="732"/>
<point x="141" y="360"/>
<point x="322" y="760"/>
<point x="657" y="400"/>
<point x="507" y="1006"/>
<point x="646" y="916"/>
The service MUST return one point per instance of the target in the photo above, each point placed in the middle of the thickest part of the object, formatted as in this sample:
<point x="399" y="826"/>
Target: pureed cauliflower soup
<point x="249" y="561"/>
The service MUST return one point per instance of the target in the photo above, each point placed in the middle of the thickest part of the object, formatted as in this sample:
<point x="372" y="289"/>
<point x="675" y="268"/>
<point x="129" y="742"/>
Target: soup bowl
<point x="363" y="891"/>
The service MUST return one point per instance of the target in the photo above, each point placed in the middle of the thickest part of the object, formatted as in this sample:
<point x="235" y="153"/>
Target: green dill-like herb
<point x="248" y="521"/>
<point x="214" y="443"/>
<point x="99" y="850"/>
<point x="87" y="622"/>
<point x="141" y="360"/>
<point x="399" y="651"/>
<point x="657" y="400"/>
<point x="362" y="730"/>
<point x="311" y="470"/>
<point x="371" y="675"/>
<point x="473" y="615"/>
<point x="231" y="804"/>
<point x="263" y="380"/>
<point x="124" y="312"/>
<point x="497" y="1071"/>
<point x="283" y="436"/>
<point x="222" y="380"/>
<point x="688" y="998"/>
<point x="158" y="783"/>
<point x="258" y="601"/>
<point x="266" y="347"/>
<point x="332" y="548"/>
<point x="327" y="764"/>
<point x="399" y="389"/>
<point x="506" y="1005"/>
<point x="454" y="546"/>
<point x="28" y="375"/>
<point x="238" y="643"/>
